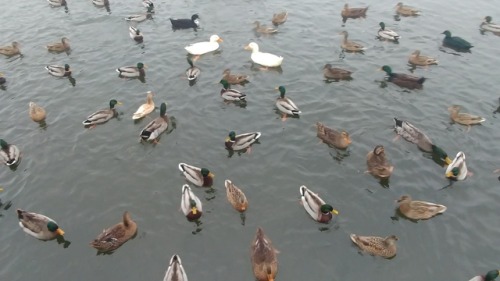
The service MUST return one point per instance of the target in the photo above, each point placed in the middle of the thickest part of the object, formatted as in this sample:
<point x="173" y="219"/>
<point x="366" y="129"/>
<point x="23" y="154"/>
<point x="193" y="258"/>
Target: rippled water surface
<point x="85" y="179"/>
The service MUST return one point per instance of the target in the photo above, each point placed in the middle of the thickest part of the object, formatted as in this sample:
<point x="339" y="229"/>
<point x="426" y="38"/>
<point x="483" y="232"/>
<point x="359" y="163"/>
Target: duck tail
<point x="399" y="123"/>
<point x="421" y="80"/>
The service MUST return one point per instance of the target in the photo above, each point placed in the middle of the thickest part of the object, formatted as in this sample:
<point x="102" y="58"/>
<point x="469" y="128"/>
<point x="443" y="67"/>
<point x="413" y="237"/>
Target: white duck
<point x="457" y="170"/>
<point x="265" y="59"/>
<point x="145" y="108"/>
<point x="175" y="271"/>
<point x="201" y="48"/>
<point x="190" y="204"/>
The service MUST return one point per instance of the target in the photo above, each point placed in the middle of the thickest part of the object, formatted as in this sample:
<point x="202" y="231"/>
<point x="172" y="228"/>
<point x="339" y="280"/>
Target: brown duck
<point x="403" y="80"/>
<point x="377" y="246"/>
<point x="336" y="73"/>
<point x="234" y="78"/>
<point x="377" y="163"/>
<point x="112" y="238"/>
<point x="353" y="13"/>
<point x="333" y="137"/>
<point x="418" y="210"/>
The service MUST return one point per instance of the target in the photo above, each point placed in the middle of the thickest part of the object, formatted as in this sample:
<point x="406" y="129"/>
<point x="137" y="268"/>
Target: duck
<point x="489" y="26"/>
<point x="231" y="94"/>
<point x="9" y="153"/>
<point x="193" y="22"/>
<point x="387" y="33"/>
<point x="403" y="80"/>
<point x="37" y="113"/>
<point x="455" y="42"/>
<point x="113" y="237"/>
<point x="234" y="78"/>
<point x="264" y="257"/>
<point x="350" y="46"/>
<point x="235" y="196"/>
<point x="58" y="70"/>
<point x="102" y="115"/>
<point x="353" y="12"/>
<point x="135" y="34"/>
<point x="190" y="204"/>
<point x="141" y="17"/>
<point x="340" y="140"/>
<point x="377" y="246"/>
<point x="315" y="206"/>
<point x="263" y="28"/>
<point x="264" y="59"/>
<point x="101" y="3"/>
<point x="145" y="108"/>
<point x="156" y="127"/>
<point x="377" y="163"/>
<point x="336" y="73"/>
<point x="457" y="170"/>
<point x="201" y="48"/>
<point x="241" y="141"/>
<point x="406" y="11"/>
<point x="419" y="210"/>
<point x="57" y="3"/>
<point x="490" y="276"/>
<point x="414" y="135"/>
<point x="175" y="270"/>
<point x="39" y="226"/>
<point x="416" y="59"/>
<point x="192" y="72"/>
<point x="14" y="49"/>
<point x="59" y="46"/>
<point x="132" y="71"/>
<point x="279" y="18"/>
<point x="286" y="105"/>
<point x="2" y="79"/>
<point x="198" y="176"/>
<point x="464" y="118"/>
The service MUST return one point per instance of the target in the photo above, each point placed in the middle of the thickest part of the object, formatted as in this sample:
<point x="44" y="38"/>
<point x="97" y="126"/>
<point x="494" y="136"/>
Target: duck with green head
<point x="102" y="115"/>
<point x="38" y="225"/>
<point x="388" y="34"/>
<point x="132" y="71"/>
<point x="192" y="72"/>
<point x="286" y="105"/>
<point x="490" y="276"/>
<point x="190" y="204"/>
<point x="403" y="80"/>
<point x="157" y="126"/>
<point x="230" y="94"/>
<point x="198" y="176"/>
<point x="58" y="70"/>
<point x="315" y="206"/>
<point x="241" y="141"/>
<point x="455" y="42"/>
<point x="9" y="153"/>
<point x="457" y="170"/>
<point x="489" y="26"/>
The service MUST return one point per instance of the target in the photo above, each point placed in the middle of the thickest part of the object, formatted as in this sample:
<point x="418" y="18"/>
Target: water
<point x="86" y="179"/>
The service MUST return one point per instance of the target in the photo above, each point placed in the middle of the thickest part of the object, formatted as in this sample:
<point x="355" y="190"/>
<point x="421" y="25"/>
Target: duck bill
<point x="447" y="160"/>
<point x="247" y="47"/>
<point x="194" y="210"/>
<point x="60" y="232"/>
<point x="449" y="174"/>
<point x="220" y="40"/>
<point x="119" y="103"/>
<point x="211" y="175"/>
<point x="335" y="212"/>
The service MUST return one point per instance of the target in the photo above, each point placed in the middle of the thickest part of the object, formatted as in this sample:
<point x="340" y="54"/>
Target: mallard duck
<point x="236" y="197"/>
<point x="353" y="12"/>
<point x="132" y="71"/>
<point x="350" y="46"/>
<point x="286" y="105"/>
<point x="280" y="18"/>
<point x="414" y="135"/>
<point x="193" y="22"/>
<point x="457" y="170"/>
<point x="145" y="108"/>
<point x="198" y="176"/>
<point x="335" y="73"/>
<point x="57" y="3"/>
<point x="406" y="10"/>
<point x="418" y="210"/>
<point x="231" y="94"/>
<point x="135" y="34"/>
<point x="175" y="271"/>
<point x="340" y="140"/>
<point x="37" y="113"/>
<point x="377" y="163"/>
<point x="315" y="206"/>
<point x="241" y="141"/>
<point x="490" y="276"/>
<point x="157" y="126"/>
<point x="234" y="78"/>
<point x="102" y="115"/>
<point x="9" y="153"/>
<point x="190" y="204"/>
<point x="147" y="3"/>
<point x="464" y="118"/>
<point x="39" y="226"/>
<point x="377" y="246"/>
<point x="11" y="50"/>
<point x="263" y="28"/>
<point x="489" y="26"/>
<point x="58" y="70"/>
<point x="403" y="80"/>
<point x="101" y="3"/>
<point x="192" y="72"/>
<point x="264" y="259"/>
<point x="112" y="238"/>
<point x="264" y="59"/>
<point x="387" y="33"/>
<point x="416" y="59"/>
<point x="142" y="17"/>
<point x="59" y="46"/>
<point x="201" y="48"/>
<point x="455" y="42"/>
